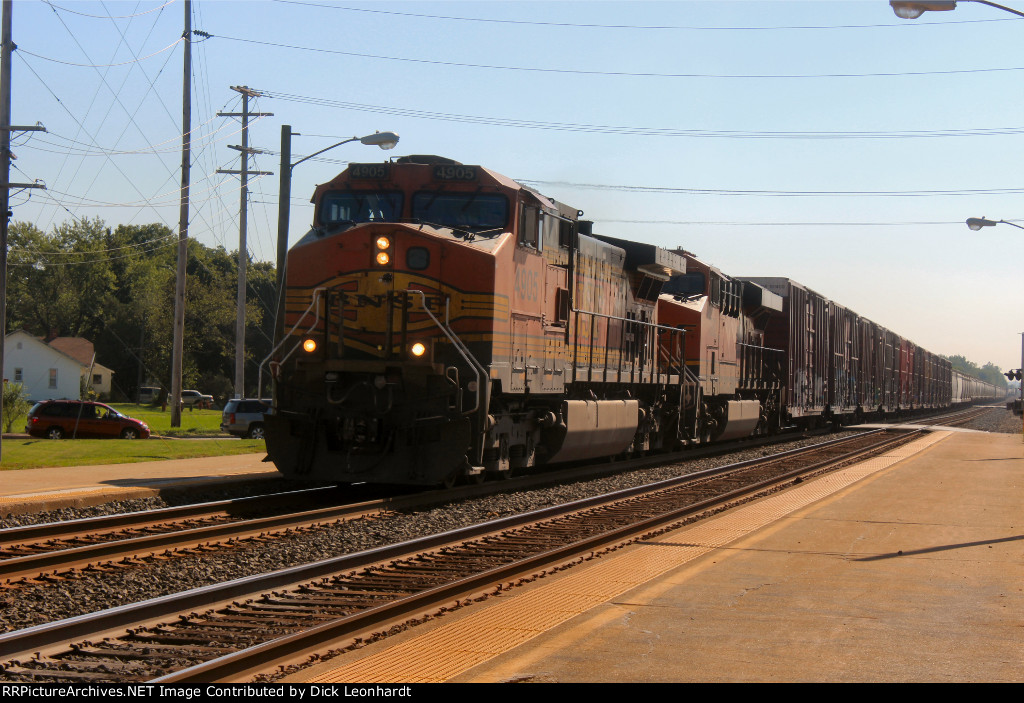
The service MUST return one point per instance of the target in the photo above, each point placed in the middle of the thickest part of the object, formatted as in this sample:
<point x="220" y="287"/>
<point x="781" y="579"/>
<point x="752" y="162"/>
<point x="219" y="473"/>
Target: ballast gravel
<point x="38" y="604"/>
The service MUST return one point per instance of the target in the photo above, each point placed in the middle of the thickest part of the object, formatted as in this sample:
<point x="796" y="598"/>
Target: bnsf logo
<point x="358" y="300"/>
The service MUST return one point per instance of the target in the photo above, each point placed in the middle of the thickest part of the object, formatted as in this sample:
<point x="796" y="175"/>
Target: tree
<point x="989" y="373"/>
<point x="993" y="374"/>
<point x="59" y="285"/>
<point x="116" y="288"/>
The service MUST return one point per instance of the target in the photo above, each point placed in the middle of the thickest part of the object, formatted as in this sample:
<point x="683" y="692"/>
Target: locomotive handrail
<point x="460" y="347"/>
<point x="626" y="319"/>
<point x="317" y="293"/>
<point x="649" y="327"/>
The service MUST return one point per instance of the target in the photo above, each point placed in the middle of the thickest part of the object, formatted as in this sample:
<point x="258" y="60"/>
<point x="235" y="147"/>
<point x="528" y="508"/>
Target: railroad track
<point x="74" y="549"/>
<point x="55" y="552"/>
<point x="237" y="629"/>
<point x="962" y="417"/>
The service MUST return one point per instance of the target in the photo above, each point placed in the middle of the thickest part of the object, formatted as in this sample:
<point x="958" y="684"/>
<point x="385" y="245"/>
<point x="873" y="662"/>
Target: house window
<point x="17" y="376"/>
<point x="97" y="379"/>
<point x="53" y="378"/>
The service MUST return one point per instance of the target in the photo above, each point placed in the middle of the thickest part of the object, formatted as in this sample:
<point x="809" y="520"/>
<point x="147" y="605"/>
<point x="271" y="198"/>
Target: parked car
<point x="148" y="394"/>
<point x="243" y="417"/>
<point x="57" y="419"/>
<point x="196" y="399"/>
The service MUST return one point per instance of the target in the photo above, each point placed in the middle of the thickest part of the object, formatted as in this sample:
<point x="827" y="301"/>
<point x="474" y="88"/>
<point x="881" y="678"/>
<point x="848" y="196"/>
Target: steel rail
<point x="61" y="634"/>
<point x="253" y="660"/>
<point x="23" y="534"/>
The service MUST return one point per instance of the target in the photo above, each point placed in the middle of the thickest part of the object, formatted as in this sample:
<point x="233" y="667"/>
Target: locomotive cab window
<point x="352" y="207"/>
<point x="469" y="211"/>
<point x="716" y="291"/>
<point x="530" y="226"/>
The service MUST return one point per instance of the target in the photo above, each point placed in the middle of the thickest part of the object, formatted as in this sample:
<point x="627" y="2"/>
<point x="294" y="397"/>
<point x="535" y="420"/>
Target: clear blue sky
<point x="830" y="142"/>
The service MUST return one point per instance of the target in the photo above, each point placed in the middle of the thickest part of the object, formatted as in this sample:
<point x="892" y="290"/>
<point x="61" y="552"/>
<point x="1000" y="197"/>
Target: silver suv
<point x="243" y="417"/>
<point x="195" y="399"/>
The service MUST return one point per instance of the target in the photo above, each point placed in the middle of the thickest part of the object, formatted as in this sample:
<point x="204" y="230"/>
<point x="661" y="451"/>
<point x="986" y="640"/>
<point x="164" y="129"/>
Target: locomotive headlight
<point x="309" y="346"/>
<point x="418" y="349"/>
<point x="383" y="255"/>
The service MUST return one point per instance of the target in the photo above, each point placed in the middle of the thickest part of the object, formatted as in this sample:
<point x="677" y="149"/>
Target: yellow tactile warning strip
<point x="449" y="650"/>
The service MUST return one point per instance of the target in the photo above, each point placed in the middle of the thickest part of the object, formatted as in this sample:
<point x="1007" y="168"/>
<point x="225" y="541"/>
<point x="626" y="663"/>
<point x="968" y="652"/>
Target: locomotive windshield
<point x="351" y="207"/>
<point x="461" y="210"/>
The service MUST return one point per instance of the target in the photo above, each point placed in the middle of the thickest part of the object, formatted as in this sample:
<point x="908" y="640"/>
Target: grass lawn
<point x="194" y="423"/>
<point x="37" y="453"/>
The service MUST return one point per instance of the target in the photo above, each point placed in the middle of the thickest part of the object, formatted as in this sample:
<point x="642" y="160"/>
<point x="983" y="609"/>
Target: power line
<point x="777" y="193"/>
<point x="619" y="74"/>
<point x="581" y="25"/>
<point x="700" y="223"/>
<point x="636" y="130"/>
<point x="102" y="65"/>
<point x="54" y="6"/>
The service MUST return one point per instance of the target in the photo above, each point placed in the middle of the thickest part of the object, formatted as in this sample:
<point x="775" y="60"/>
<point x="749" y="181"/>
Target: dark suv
<point x="57" y="419"/>
<point x="243" y="417"/>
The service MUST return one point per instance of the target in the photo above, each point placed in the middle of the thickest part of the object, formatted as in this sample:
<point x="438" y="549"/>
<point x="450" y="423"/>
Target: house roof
<point x="78" y="348"/>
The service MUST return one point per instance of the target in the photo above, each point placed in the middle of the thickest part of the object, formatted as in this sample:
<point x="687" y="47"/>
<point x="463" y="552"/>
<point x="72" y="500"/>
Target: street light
<point x="908" y="10"/>
<point x="385" y="140"/>
<point x="975" y="224"/>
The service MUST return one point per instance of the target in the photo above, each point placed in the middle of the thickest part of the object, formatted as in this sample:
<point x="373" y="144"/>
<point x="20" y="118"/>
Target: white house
<point x="55" y="369"/>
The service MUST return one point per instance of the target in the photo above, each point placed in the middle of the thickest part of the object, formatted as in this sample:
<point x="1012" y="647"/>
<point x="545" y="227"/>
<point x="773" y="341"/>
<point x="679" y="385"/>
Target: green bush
<point x="15" y="404"/>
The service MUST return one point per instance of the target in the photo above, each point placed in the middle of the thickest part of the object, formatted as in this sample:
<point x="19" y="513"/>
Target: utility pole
<point x="178" y="345"/>
<point x="243" y="252"/>
<point x="284" y="209"/>
<point x="6" y="49"/>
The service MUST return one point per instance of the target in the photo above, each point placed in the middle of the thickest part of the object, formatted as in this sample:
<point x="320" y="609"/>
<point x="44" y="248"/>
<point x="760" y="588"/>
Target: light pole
<point x="975" y="224"/>
<point x="385" y="140"/>
<point x="911" y="10"/>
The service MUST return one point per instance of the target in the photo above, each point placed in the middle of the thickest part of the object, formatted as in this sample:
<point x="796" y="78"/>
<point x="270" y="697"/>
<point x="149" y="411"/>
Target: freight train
<point x="442" y="322"/>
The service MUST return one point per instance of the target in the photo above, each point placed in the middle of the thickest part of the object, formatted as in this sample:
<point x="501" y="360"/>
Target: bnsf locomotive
<point x="443" y="322"/>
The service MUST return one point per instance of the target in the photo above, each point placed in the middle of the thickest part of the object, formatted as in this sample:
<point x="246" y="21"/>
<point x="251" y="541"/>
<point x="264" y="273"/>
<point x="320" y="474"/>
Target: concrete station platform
<point x="908" y="567"/>
<point x="37" y="490"/>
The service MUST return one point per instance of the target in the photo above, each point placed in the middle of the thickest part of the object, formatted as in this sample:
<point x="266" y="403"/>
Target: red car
<point x="57" y="419"/>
